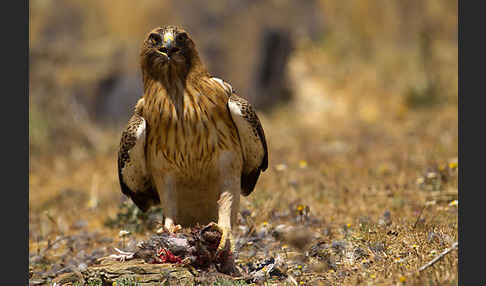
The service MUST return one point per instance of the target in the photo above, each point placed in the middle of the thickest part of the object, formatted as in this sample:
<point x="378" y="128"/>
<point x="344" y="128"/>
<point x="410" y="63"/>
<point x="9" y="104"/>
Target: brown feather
<point x="193" y="148"/>
<point x="144" y="195"/>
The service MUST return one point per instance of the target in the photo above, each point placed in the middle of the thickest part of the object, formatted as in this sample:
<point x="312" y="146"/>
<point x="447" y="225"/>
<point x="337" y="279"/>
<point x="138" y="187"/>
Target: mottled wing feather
<point x="132" y="172"/>
<point x="253" y="143"/>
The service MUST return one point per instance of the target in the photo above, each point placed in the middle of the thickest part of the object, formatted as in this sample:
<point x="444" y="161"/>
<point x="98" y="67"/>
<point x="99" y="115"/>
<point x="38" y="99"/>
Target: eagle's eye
<point x="181" y="38"/>
<point x="155" y="39"/>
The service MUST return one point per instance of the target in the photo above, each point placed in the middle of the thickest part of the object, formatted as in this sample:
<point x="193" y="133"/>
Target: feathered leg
<point x="225" y="206"/>
<point x="227" y="211"/>
<point x="166" y="189"/>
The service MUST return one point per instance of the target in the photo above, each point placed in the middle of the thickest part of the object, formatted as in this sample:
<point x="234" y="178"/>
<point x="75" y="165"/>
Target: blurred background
<point x="353" y="96"/>
<point x="368" y="58"/>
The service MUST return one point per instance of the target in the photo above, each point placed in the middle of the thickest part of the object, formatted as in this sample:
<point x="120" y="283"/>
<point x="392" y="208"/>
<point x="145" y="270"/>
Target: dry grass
<point x="348" y="174"/>
<point x="369" y="145"/>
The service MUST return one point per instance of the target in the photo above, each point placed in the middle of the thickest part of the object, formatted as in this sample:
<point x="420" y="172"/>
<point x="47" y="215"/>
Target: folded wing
<point x="252" y="139"/>
<point x="135" y="182"/>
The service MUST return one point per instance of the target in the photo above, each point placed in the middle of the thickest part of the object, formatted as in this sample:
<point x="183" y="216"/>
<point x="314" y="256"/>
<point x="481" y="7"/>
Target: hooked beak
<point x="168" y="45"/>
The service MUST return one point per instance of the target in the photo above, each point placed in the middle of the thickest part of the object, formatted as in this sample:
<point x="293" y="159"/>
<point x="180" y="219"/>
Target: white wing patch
<point x="226" y="86"/>
<point x="140" y="133"/>
<point x="134" y="171"/>
<point x="235" y="109"/>
<point x="252" y="140"/>
<point x="135" y="181"/>
<point x="251" y="143"/>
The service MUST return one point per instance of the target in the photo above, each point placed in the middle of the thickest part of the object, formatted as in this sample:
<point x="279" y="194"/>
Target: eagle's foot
<point x="226" y="243"/>
<point x="169" y="226"/>
<point x="225" y="251"/>
<point x="172" y="229"/>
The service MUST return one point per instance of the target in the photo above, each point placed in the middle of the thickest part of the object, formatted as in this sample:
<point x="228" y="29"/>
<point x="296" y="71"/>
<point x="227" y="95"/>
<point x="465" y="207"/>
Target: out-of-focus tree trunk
<point x="271" y="81"/>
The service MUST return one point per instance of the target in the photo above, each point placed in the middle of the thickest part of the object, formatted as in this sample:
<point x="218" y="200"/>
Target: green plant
<point x="228" y="282"/>
<point x="131" y="218"/>
<point x="94" y="282"/>
<point x="126" y="282"/>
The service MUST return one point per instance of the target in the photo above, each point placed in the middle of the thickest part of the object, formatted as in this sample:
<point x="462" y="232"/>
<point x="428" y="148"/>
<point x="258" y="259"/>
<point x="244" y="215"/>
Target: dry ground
<point x="363" y="164"/>
<point x="376" y="196"/>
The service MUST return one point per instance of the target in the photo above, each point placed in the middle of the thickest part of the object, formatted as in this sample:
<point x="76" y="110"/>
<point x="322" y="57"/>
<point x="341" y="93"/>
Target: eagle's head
<point x="168" y="49"/>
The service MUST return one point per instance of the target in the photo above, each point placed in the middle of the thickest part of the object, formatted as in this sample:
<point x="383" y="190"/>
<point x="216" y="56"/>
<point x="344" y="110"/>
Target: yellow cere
<point x="168" y="37"/>
<point x="300" y="208"/>
<point x="403" y="279"/>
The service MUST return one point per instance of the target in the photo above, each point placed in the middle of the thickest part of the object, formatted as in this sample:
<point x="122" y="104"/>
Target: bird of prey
<point x="192" y="145"/>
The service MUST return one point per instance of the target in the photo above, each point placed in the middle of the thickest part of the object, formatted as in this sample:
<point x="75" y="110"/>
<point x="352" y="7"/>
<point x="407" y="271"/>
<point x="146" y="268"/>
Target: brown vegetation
<point x="363" y="173"/>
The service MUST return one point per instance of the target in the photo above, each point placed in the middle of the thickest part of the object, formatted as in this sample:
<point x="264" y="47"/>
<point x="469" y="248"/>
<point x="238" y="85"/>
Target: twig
<point x="292" y="279"/>
<point x="418" y="218"/>
<point x="438" y="257"/>
<point x="50" y="245"/>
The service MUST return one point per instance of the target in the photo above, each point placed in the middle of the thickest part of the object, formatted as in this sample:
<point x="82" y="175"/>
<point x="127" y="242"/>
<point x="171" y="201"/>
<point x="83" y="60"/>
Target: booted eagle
<point x="192" y="145"/>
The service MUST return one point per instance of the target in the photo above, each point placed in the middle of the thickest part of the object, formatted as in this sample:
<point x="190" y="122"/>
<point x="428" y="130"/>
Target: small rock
<point x="80" y="224"/>
<point x="82" y="266"/>
<point x="386" y="219"/>
<point x="339" y="245"/>
<point x="36" y="281"/>
<point x="378" y="247"/>
<point x="360" y="253"/>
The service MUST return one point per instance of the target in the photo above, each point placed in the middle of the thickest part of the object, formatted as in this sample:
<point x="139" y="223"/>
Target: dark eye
<point x="155" y="39"/>
<point x="180" y="38"/>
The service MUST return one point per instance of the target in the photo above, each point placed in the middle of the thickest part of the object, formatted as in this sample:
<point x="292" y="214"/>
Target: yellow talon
<point x="226" y="236"/>
<point x="172" y="228"/>
<point x="224" y="252"/>
<point x="175" y="228"/>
